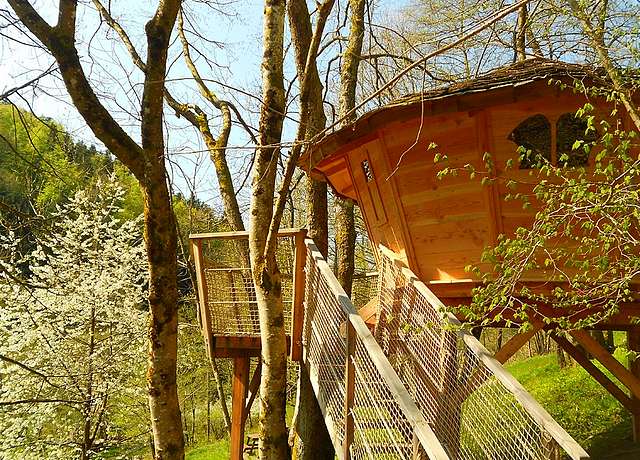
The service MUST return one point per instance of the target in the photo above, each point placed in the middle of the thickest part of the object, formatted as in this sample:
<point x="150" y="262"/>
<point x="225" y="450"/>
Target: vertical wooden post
<point x="297" y="309"/>
<point x="349" y="377"/>
<point x="239" y="396"/>
<point x="633" y="343"/>
<point x="418" y="451"/>
<point x="205" y="314"/>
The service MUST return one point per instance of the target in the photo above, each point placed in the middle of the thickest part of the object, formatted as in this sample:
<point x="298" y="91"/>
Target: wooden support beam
<point x="596" y="373"/>
<point x="201" y="280"/>
<point x="238" y="234"/>
<point x="238" y="398"/>
<point x="297" y="309"/>
<point x="254" y="388"/>
<point x="350" y="385"/>
<point x="633" y="343"/>
<point x="238" y="346"/>
<point x="607" y="360"/>
<point x="514" y="344"/>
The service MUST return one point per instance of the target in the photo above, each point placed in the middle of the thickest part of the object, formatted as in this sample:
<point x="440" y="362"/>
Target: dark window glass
<point x="366" y="169"/>
<point x="569" y="130"/>
<point x="533" y="137"/>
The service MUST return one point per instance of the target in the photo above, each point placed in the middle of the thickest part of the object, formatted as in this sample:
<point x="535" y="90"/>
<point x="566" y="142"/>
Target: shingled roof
<point x="520" y="73"/>
<point x="510" y="76"/>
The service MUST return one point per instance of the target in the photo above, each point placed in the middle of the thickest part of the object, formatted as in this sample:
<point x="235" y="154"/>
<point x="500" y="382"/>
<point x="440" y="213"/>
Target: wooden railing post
<point x="238" y="399"/>
<point x="205" y="314"/>
<point x="349" y="393"/>
<point x="297" y="309"/>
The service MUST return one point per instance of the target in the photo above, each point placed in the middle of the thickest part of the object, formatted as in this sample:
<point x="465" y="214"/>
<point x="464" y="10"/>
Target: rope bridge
<point x="419" y="387"/>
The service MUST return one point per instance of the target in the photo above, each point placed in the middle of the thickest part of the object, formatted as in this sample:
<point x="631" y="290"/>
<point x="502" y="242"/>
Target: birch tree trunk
<point x="521" y="35"/>
<point x="266" y="276"/>
<point x="309" y="437"/>
<point x="345" y="218"/>
<point x="147" y="164"/>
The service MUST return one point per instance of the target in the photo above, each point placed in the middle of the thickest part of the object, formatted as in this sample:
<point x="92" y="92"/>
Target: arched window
<point x="533" y="137"/>
<point x="570" y="129"/>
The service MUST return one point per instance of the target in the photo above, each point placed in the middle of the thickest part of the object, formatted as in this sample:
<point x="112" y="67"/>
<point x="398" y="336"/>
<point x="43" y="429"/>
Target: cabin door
<point x="369" y="171"/>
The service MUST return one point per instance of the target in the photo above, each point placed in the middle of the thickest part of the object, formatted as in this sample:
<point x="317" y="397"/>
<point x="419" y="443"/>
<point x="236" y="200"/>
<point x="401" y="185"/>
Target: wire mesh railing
<point x="226" y="284"/>
<point x="367" y="409"/>
<point x="476" y="408"/>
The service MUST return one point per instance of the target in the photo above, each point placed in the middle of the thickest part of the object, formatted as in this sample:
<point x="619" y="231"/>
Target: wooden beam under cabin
<point x="254" y="388"/>
<point x="238" y="398"/>
<point x="597" y="374"/>
<point x="515" y="343"/>
<point x="234" y="346"/>
<point x="607" y="360"/>
<point x="633" y="343"/>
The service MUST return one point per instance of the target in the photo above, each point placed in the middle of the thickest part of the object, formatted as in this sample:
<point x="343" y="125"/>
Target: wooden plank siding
<point x="442" y="225"/>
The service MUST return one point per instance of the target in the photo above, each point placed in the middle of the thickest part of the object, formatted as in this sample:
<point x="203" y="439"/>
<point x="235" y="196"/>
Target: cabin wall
<point x="441" y="225"/>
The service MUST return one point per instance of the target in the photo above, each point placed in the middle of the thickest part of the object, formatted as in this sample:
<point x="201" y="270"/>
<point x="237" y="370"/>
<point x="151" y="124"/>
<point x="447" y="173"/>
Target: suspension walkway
<point x="418" y="387"/>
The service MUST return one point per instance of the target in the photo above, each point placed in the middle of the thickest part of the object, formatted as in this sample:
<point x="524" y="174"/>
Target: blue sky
<point x="238" y="26"/>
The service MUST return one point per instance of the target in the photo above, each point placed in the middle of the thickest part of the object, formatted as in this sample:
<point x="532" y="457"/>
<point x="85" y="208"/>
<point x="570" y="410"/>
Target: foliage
<point x="584" y="236"/>
<point x="215" y="451"/>
<point x="67" y="331"/>
<point x="40" y="164"/>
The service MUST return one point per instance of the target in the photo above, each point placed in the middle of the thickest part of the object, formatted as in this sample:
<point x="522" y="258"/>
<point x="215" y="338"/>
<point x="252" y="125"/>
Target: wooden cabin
<point x="385" y="162"/>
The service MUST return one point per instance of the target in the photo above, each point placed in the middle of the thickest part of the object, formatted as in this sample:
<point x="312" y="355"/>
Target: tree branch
<point x="84" y="98"/>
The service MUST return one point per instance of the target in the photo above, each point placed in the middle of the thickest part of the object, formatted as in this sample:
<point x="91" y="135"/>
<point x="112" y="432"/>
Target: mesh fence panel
<point x="381" y="428"/>
<point x="473" y="414"/>
<point x="231" y="296"/>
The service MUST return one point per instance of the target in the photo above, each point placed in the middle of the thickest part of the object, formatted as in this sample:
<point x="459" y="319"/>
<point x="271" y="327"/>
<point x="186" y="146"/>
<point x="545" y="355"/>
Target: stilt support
<point x="239" y="397"/>
<point x="633" y="343"/>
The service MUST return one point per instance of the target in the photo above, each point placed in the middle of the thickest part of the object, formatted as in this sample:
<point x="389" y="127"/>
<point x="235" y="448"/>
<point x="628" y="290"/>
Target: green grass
<point x="218" y="450"/>
<point x="585" y="409"/>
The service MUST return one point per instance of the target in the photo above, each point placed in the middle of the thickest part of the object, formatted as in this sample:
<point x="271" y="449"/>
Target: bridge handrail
<point x="422" y="431"/>
<point x="530" y="405"/>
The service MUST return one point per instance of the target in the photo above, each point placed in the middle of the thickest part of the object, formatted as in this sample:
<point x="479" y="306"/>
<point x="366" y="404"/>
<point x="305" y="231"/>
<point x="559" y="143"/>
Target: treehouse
<point x="388" y="162"/>
<point x="405" y="384"/>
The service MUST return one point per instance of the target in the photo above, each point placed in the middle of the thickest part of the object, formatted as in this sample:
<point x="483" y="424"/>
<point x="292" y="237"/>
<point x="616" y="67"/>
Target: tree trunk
<point x="317" y="214"/>
<point x="521" y="35"/>
<point x="266" y="276"/>
<point x="345" y="242"/>
<point x="345" y="220"/>
<point x="86" y="432"/>
<point x="562" y="357"/>
<point x="146" y="162"/>
<point x="208" y="407"/>
<point x="312" y="438"/>
<point x="161" y="240"/>
<point x="309" y="437"/>
<point x="221" y="395"/>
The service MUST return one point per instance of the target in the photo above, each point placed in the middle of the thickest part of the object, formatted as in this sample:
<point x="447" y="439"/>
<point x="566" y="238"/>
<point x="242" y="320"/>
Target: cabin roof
<point x="511" y="76"/>
<point x="514" y="75"/>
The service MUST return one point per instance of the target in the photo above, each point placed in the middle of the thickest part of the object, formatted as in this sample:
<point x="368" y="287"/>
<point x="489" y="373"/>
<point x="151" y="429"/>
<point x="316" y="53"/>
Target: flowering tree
<point x="72" y="331"/>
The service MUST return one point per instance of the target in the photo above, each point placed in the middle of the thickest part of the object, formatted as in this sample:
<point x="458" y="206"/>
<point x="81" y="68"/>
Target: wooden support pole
<point x="613" y="365"/>
<point x="254" y="387"/>
<point x="297" y="309"/>
<point x="239" y="396"/>
<point x="596" y="373"/>
<point x="633" y="343"/>
<point x="514" y="344"/>
<point x="350" y="386"/>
